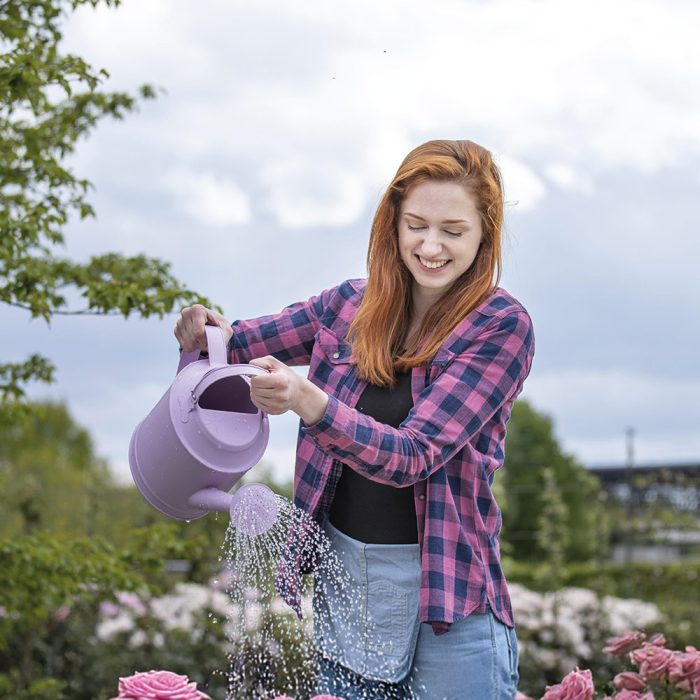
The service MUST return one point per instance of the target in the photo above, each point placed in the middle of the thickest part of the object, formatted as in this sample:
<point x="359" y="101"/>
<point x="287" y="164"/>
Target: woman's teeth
<point x="433" y="265"/>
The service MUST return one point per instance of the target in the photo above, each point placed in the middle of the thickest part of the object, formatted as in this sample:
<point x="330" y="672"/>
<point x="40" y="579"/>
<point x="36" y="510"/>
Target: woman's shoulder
<point x="500" y="309"/>
<point x="341" y="303"/>
<point x="500" y="303"/>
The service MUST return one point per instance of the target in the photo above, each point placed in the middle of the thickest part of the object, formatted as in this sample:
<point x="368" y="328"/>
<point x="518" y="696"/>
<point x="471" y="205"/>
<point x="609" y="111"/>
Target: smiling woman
<point x="412" y="376"/>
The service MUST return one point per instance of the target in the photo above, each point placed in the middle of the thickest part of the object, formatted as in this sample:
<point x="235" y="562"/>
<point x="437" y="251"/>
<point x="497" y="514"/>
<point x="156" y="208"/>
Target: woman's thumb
<point x="268" y="362"/>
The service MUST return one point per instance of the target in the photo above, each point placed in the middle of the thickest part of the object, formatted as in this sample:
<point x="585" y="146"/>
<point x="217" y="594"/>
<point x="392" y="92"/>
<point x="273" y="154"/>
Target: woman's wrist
<point x="312" y="402"/>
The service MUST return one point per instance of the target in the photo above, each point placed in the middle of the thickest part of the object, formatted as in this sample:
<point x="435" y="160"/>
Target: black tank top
<point x="366" y="510"/>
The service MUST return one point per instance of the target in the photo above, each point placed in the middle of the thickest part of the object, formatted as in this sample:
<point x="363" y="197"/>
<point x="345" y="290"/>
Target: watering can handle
<point x="215" y="345"/>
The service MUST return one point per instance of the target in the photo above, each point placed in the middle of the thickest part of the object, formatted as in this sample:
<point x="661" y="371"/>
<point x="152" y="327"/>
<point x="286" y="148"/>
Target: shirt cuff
<point x="331" y="429"/>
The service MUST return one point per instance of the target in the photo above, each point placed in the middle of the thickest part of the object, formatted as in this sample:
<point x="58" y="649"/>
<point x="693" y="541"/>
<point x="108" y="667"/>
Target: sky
<point x="277" y="126"/>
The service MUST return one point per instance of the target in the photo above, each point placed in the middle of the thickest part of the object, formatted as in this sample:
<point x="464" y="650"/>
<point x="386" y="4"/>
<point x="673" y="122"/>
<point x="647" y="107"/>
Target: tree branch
<point x="81" y="312"/>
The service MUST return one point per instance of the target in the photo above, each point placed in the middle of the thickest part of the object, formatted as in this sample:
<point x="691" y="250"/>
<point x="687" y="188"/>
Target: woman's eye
<point x="454" y="233"/>
<point x="415" y="228"/>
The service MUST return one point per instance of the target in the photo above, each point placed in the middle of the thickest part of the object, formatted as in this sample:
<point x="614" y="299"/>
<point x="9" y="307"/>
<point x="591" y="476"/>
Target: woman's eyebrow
<point x="446" y="221"/>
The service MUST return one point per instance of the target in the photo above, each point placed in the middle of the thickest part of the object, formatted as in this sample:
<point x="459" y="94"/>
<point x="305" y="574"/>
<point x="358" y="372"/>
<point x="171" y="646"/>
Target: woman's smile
<point x="432" y="265"/>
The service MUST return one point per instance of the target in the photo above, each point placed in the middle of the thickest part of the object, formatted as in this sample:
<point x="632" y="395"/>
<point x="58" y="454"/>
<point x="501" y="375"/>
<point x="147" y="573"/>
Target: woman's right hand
<point x="189" y="329"/>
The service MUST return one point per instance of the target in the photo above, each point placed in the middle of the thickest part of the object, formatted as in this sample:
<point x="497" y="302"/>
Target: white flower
<point x="106" y="629"/>
<point x="629" y="613"/>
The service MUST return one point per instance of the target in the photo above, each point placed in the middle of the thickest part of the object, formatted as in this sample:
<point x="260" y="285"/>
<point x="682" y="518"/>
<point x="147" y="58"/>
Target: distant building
<point x="670" y="485"/>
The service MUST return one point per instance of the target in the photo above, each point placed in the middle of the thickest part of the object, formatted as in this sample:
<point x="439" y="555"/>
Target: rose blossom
<point x="627" y="694"/>
<point x="577" y="685"/>
<point x="653" y="661"/>
<point x="624" y="643"/>
<point x="628" y="680"/>
<point x="158" y="685"/>
<point x="684" y="669"/>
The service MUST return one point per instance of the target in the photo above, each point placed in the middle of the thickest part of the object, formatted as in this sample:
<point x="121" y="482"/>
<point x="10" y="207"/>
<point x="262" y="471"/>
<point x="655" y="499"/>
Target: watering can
<point x="200" y="439"/>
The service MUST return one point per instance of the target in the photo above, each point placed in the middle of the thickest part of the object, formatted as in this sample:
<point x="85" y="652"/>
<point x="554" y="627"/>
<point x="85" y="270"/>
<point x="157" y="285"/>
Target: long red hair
<point x="378" y="331"/>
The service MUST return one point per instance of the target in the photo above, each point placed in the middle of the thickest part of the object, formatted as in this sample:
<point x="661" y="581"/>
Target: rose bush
<point x="661" y="672"/>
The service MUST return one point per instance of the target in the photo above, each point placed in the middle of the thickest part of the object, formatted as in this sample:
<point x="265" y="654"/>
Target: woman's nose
<point x="431" y="245"/>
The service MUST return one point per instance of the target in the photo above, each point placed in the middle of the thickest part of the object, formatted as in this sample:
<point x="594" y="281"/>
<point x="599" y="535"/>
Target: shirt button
<point x="421" y="497"/>
<point x="336" y="355"/>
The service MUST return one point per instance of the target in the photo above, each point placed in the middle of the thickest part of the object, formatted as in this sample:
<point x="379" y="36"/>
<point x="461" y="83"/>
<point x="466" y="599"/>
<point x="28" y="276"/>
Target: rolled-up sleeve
<point x="448" y="413"/>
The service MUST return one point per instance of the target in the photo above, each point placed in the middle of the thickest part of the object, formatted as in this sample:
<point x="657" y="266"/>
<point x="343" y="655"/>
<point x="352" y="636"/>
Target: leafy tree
<point x="533" y="453"/>
<point x="48" y="102"/>
<point x="49" y="474"/>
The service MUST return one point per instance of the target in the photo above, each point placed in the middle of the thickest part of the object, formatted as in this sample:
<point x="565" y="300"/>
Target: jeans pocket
<point x="388" y="618"/>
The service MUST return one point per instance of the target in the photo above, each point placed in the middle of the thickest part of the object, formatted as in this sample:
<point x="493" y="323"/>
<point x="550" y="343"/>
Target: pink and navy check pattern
<point x="448" y="447"/>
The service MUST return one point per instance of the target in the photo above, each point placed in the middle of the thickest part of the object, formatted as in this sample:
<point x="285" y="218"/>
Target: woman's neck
<point x="418" y="311"/>
<point x="421" y="303"/>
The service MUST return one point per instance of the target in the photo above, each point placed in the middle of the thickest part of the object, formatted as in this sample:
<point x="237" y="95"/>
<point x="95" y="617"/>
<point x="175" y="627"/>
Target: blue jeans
<point x="477" y="659"/>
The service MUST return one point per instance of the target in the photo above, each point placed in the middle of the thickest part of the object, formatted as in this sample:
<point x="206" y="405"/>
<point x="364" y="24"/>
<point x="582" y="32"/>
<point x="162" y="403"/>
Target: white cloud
<point x="208" y="199"/>
<point x="523" y="188"/>
<point x="302" y="193"/>
<point x="568" y="178"/>
<point x="306" y="90"/>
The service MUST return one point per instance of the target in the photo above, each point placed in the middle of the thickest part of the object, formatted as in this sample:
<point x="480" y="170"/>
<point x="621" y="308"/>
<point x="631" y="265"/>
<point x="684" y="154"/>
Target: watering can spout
<point x="253" y="508"/>
<point x="211" y="499"/>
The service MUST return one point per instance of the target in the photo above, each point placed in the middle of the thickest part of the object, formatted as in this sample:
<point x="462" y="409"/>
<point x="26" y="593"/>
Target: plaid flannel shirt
<point x="449" y="446"/>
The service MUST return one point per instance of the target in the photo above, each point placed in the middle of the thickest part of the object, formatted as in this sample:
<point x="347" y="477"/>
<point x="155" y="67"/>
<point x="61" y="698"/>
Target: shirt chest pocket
<point x="336" y="351"/>
<point x="332" y="368"/>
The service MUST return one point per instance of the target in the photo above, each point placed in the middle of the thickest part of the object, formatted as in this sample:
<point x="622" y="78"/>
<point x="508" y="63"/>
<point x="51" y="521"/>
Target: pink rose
<point x="659" y="640"/>
<point x="577" y="685"/>
<point x="627" y="694"/>
<point x="684" y="669"/>
<point x="629" y="681"/>
<point x="653" y="661"/>
<point x="158" y="685"/>
<point x="624" y="643"/>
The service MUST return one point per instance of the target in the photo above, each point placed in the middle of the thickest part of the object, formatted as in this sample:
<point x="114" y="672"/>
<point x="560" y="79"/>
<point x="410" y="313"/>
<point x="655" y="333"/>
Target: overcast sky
<point x="257" y="170"/>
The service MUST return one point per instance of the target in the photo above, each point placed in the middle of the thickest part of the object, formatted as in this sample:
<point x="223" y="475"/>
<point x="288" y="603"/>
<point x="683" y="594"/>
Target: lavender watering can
<point x="199" y="440"/>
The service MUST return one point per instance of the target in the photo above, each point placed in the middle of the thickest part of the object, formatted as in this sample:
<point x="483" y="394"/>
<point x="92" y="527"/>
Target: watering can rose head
<point x="158" y="685"/>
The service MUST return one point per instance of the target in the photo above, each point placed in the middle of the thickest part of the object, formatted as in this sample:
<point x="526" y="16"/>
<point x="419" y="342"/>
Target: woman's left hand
<point x="282" y="390"/>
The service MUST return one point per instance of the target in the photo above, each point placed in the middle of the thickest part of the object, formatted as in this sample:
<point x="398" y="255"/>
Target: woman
<point x="413" y="373"/>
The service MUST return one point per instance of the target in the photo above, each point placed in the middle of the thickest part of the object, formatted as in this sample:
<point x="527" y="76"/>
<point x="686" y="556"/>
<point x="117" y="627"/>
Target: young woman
<point x="413" y="373"/>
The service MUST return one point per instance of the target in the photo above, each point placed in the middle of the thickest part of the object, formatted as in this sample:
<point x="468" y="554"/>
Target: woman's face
<point x="439" y="236"/>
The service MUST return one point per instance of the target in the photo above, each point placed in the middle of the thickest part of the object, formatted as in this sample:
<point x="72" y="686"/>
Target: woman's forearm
<point x="311" y="402"/>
